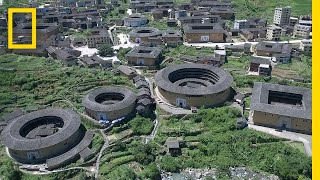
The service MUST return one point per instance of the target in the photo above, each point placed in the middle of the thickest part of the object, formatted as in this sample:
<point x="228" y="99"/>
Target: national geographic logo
<point x="33" y="44"/>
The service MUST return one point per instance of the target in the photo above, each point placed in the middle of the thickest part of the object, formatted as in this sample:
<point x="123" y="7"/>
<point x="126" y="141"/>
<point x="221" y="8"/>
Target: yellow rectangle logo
<point x="33" y="12"/>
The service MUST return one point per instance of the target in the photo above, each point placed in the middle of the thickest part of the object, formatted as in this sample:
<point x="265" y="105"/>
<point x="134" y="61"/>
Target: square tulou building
<point x="280" y="106"/>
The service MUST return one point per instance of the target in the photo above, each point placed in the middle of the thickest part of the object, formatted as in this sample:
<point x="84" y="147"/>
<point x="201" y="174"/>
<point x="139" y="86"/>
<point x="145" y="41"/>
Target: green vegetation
<point x="265" y="9"/>
<point x="151" y="172"/>
<point x="105" y="50"/>
<point x="116" y="12"/>
<point x="121" y="55"/>
<point x="213" y="141"/>
<point x="97" y="142"/>
<point x="160" y="24"/>
<point x="173" y="54"/>
<point x="141" y="125"/>
<point x="302" y="67"/>
<point x="123" y="172"/>
<point x="40" y="81"/>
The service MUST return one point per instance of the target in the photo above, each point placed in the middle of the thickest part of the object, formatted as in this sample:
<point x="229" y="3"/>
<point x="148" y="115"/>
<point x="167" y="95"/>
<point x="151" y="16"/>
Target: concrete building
<point x="51" y="136"/>
<point x="283" y="107"/>
<point x="144" y="56"/>
<point x="273" y="33"/>
<point x="259" y="66"/>
<point x="301" y="31"/>
<point x="98" y="37"/>
<point x="135" y="20"/>
<point x="240" y="24"/>
<point x="195" y="33"/>
<point x="306" y="46"/>
<point x="293" y="21"/>
<point x="282" y="16"/>
<point x="193" y="85"/>
<point x="280" y="52"/>
<point x="109" y="103"/>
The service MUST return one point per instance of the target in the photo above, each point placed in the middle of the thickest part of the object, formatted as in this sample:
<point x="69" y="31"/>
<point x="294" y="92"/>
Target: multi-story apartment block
<point x="282" y="16"/>
<point x="273" y="32"/>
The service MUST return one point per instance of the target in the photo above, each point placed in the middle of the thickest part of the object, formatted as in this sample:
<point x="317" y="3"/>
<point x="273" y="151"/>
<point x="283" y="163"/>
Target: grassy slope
<point x="212" y="141"/>
<point x="265" y="9"/>
<point x="38" y="82"/>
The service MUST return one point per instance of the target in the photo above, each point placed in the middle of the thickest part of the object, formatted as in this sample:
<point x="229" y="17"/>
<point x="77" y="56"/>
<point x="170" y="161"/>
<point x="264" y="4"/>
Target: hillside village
<point x="156" y="89"/>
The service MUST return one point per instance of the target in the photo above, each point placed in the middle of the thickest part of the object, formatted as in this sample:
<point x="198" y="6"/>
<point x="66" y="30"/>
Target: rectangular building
<point x="240" y="24"/>
<point x="282" y="16"/>
<point x="302" y="31"/>
<point x="273" y="33"/>
<point x="284" y="107"/>
<point x="144" y="56"/>
<point x="195" y="33"/>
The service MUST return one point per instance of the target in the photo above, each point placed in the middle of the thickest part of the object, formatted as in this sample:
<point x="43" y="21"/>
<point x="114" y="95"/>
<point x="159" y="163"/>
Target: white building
<point x="306" y="46"/>
<point x="240" y="24"/>
<point x="273" y="33"/>
<point x="282" y="16"/>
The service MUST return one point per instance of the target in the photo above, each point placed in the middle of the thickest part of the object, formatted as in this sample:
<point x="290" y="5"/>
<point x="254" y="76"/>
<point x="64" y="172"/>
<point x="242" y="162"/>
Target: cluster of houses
<point x="146" y="105"/>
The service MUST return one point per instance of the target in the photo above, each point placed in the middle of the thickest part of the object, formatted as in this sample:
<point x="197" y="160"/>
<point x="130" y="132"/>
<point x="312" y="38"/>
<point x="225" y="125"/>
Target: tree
<point x="151" y="172"/>
<point x="143" y="153"/>
<point x="141" y="125"/>
<point x="105" y="50"/>
<point x="170" y="164"/>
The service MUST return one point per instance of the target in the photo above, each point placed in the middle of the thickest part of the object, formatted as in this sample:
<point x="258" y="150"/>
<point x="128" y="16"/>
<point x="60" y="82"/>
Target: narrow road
<point x="305" y="139"/>
<point x="105" y="146"/>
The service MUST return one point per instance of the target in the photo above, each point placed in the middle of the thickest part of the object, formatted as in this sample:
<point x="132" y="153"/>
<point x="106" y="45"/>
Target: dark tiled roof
<point x="150" y="31"/>
<point x="12" y="138"/>
<point x="203" y="28"/>
<point x="273" y="47"/>
<point x="90" y="102"/>
<point x="222" y="83"/>
<point x="142" y="51"/>
<point x="260" y="94"/>
<point x="257" y="60"/>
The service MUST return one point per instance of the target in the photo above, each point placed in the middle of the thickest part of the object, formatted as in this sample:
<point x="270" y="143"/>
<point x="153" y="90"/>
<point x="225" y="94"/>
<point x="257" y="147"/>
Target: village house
<point x="62" y="55"/>
<point x="279" y="51"/>
<point x="260" y="66"/>
<point x="301" y="31"/>
<point x="173" y="146"/>
<point x="127" y="71"/>
<point x="224" y="13"/>
<point x="215" y="61"/>
<point x="44" y="31"/>
<point x="172" y="38"/>
<point x="95" y="61"/>
<point x="306" y="46"/>
<point x="240" y="24"/>
<point x="273" y="33"/>
<point x="135" y="20"/>
<point x="144" y="56"/>
<point x="98" y="37"/>
<point x="195" y="33"/>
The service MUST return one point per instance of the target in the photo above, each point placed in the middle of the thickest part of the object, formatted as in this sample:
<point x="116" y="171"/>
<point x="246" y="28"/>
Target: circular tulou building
<point x="196" y="85"/>
<point x="109" y="103"/>
<point x="142" y="34"/>
<point x="41" y="135"/>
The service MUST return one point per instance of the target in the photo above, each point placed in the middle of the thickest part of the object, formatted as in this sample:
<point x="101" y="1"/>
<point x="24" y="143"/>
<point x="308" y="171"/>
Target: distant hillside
<point x="265" y="8"/>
